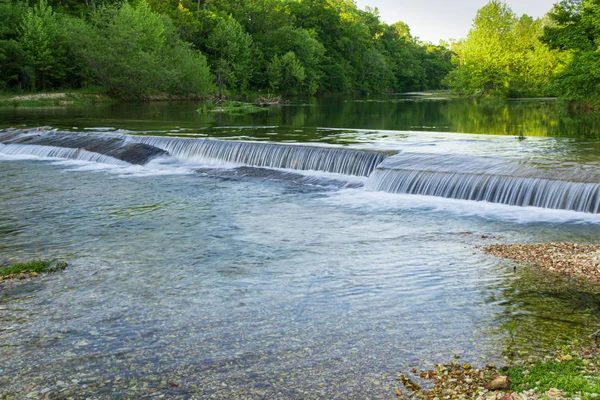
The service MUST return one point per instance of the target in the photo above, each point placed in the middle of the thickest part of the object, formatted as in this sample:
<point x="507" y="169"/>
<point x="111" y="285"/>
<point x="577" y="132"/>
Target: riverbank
<point x="565" y="258"/>
<point x="55" y="99"/>
<point x="568" y="373"/>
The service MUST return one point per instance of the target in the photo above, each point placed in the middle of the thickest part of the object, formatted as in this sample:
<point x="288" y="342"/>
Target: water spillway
<point x="518" y="182"/>
<point x="271" y="155"/>
<point x="86" y="147"/>
<point x="543" y="184"/>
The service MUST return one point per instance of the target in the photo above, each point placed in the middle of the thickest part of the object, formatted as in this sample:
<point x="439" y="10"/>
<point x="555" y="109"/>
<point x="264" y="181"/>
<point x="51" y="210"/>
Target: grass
<point x="55" y="99"/>
<point x="571" y="375"/>
<point x="31" y="268"/>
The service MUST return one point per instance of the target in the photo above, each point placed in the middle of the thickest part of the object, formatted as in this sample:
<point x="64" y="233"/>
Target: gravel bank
<point x="566" y="258"/>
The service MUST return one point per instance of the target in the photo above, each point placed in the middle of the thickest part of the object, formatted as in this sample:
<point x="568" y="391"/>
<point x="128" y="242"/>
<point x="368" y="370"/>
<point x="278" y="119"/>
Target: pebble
<point x="561" y="257"/>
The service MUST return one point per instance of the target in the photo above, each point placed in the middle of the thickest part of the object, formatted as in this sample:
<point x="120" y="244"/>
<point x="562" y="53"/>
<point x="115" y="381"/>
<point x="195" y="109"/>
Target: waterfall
<point x="59" y="152"/>
<point x="88" y="147"/>
<point x="272" y="155"/>
<point x="514" y="182"/>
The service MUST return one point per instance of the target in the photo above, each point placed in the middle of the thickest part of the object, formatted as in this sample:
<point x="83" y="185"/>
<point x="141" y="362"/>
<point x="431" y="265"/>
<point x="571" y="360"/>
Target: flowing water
<point x="319" y="266"/>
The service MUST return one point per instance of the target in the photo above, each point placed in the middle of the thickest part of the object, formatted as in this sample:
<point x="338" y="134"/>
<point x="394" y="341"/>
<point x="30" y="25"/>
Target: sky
<point x="432" y="20"/>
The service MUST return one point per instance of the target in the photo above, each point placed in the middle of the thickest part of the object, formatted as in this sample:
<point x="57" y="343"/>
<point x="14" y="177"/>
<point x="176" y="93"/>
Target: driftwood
<point x="270" y="101"/>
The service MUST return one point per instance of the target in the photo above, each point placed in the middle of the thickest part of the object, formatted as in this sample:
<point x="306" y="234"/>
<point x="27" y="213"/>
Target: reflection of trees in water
<point x="544" y="311"/>
<point x="531" y="118"/>
<point x="394" y="113"/>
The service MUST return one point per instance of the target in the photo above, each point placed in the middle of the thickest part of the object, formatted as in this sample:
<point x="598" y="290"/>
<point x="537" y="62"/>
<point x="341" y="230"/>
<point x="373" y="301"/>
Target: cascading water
<point x="545" y="184"/>
<point x="495" y="180"/>
<point x="87" y="147"/>
<point x="59" y="152"/>
<point x="271" y="155"/>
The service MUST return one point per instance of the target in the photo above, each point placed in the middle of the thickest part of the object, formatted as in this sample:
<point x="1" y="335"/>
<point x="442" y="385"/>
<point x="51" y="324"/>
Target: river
<point x="197" y="276"/>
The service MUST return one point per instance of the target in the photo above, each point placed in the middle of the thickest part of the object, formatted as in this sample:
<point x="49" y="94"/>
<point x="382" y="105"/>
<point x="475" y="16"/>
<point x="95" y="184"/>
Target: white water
<point x="58" y="153"/>
<point x="399" y="203"/>
<point x="272" y="155"/>
<point x="540" y="184"/>
<point x="518" y="183"/>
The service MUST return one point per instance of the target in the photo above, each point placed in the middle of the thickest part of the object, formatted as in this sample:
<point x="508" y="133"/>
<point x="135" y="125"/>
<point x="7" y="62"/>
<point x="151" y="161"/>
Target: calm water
<point x="233" y="283"/>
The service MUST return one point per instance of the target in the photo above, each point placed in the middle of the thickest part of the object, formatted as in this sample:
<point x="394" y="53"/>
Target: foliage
<point x="503" y="55"/>
<point x="147" y="48"/>
<point x="575" y="26"/>
<point x="42" y="37"/>
<point x="286" y="74"/>
<point x="229" y="47"/>
<point x="135" y="53"/>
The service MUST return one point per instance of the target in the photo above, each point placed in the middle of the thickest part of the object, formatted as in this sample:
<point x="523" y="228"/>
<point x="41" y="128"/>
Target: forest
<point x="146" y="49"/>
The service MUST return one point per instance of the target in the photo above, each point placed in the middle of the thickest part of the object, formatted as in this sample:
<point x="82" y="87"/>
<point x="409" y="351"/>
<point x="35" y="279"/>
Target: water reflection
<point x="299" y="120"/>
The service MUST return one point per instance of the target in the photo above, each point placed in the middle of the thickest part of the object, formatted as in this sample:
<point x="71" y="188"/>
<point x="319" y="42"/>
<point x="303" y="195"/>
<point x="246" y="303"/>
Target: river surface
<point x="195" y="281"/>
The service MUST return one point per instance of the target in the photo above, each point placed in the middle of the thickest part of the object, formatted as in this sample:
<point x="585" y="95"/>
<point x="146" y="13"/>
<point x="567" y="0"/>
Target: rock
<point x="498" y="383"/>
<point x="507" y="396"/>
<point x="554" y="394"/>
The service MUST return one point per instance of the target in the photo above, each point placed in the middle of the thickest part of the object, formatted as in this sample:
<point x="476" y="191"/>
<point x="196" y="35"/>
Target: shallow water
<point x="225" y="283"/>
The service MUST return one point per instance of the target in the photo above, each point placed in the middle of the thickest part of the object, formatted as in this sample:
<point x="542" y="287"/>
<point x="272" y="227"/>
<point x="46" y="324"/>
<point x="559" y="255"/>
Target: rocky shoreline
<point x="580" y="260"/>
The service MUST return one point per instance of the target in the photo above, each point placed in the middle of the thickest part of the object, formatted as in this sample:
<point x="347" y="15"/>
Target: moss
<point x="31" y="268"/>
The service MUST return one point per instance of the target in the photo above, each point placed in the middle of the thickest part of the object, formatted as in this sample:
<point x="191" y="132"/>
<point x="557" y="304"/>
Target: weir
<point x="86" y="147"/>
<point x="59" y="152"/>
<point x="271" y="155"/>
<point x="544" y="184"/>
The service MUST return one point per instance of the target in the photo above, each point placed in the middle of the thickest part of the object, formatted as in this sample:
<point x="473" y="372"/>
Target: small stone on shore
<point x="562" y="257"/>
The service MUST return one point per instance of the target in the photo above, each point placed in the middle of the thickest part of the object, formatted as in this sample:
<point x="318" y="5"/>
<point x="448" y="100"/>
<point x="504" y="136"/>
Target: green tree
<point x="136" y="53"/>
<point x="484" y="57"/>
<point x="230" y="54"/>
<point x="42" y="37"/>
<point x="575" y="27"/>
<point x="503" y="55"/>
<point x="286" y="74"/>
<point x="12" y="56"/>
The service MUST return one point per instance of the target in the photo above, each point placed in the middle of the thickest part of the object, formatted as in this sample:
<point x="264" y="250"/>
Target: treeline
<point x="509" y="56"/>
<point x="183" y="48"/>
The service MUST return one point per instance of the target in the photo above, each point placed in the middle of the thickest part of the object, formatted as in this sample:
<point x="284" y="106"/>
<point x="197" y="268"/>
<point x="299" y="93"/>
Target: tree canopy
<point x="575" y="27"/>
<point x="145" y="48"/>
<point x="503" y="55"/>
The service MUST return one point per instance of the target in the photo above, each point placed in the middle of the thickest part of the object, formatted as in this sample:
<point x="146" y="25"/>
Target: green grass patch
<point x="231" y="108"/>
<point x="570" y="376"/>
<point x="59" y="99"/>
<point x="30" y="268"/>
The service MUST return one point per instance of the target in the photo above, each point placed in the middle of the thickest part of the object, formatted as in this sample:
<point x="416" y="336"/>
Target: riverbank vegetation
<point x="505" y="55"/>
<point x="184" y="49"/>
<point x="567" y="373"/>
<point x="30" y="269"/>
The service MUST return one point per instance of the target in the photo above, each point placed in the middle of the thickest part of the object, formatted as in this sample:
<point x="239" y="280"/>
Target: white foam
<point x="380" y="201"/>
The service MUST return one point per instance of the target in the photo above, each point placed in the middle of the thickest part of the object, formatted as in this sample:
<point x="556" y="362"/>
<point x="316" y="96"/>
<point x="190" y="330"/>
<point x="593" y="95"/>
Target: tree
<point x="484" y="57"/>
<point x="12" y="56"/>
<point x="286" y="74"/>
<point x="230" y="54"/>
<point x="42" y="37"/>
<point x="502" y="55"/>
<point x="575" y="27"/>
<point x="136" y="53"/>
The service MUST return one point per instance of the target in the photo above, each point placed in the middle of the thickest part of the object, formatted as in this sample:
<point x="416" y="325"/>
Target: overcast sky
<point x="432" y="20"/>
